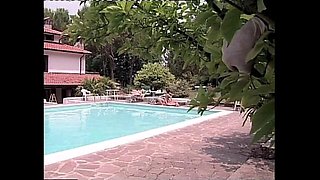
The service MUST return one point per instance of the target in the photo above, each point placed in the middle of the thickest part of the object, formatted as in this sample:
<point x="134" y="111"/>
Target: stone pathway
<point x="213" y="150"/>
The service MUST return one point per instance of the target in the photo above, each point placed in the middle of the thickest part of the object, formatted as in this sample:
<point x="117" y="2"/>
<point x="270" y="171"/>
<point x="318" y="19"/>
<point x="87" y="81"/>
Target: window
<point x="45" y="63"/>
<point x="48" y="37"/>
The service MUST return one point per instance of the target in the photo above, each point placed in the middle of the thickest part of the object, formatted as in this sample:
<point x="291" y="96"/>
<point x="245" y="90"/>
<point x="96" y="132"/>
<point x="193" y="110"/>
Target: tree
<point x="60" y="18"/>
<point x="48" y="13"/>
<point x="90" y="24"/>
<point x="207" y="34"/>
<point x="154" y="75"/>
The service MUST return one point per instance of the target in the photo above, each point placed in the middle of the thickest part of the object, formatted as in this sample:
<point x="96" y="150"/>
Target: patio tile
<point x="68" y="167"/>
<point x="109" y="168"/>
<point x="86" y="173"/>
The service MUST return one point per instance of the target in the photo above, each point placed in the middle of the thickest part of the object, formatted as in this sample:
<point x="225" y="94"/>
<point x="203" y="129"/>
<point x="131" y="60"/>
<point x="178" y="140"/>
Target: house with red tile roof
<point x="64" y="64"/>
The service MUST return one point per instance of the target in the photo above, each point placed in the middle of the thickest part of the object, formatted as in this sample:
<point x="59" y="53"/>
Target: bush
<point x="180" y="88"/>
<point x="154" y="75"/>
<point x="96" y="86"/>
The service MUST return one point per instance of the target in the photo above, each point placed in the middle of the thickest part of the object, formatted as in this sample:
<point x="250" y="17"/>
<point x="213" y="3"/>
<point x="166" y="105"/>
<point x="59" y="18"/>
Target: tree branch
<point x="220" y="13"/>
<point x="189" y="38"/>
<point x="194" y="42"/>
<point x="246" y="6"/>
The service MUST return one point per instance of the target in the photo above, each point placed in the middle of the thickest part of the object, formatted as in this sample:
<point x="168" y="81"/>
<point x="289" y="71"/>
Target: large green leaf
<point x="213" y="34"/>
<point x="208" y="48"/>
<point x="122" y="50"/>
<point x="128" y="5"/>
<point x="255" y="51"/>
<point x="211" y="65"/>
<point x="164" y="39"/>
<point x="248" y="99"/>
<point x="222" y="68"/>
<point x="122" y="4"/>
<point x="259" y="45"/>
<point x="230" y="24"/>
<point x="262" y="116"/>
<point x="213" y="21"/>
<point x="112" y="9"/>
<point x="261" y="5"/>
<point x="202" y="100"/>
<point x="260" y="67"/>
<point x="238" y="87"/>
<point x="246" y="16"/>
<point x="266" y="130"/>
<point x="202" y="17"/>
<point x="271" y="49"/>
<point x="146" y="5"/>
<point x="116" y="21"/>
<point x="270" y="71"/>
<point x="264" y="89"/>
<point x="228" y="80"/>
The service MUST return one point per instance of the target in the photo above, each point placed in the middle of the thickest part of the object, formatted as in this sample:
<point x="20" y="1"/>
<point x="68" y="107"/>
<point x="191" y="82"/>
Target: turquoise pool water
<point x="75" y="126"/>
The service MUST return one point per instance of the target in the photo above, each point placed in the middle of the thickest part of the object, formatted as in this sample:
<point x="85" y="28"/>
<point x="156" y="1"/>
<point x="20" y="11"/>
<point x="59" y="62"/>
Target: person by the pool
<point x="166" y="99"/>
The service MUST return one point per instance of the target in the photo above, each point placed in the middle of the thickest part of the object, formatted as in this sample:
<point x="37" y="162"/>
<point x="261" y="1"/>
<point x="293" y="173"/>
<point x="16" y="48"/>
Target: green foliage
<point x="203" y="17"/>
<point x="107" y="82"/>
<point x="263" y="121"/>
<point x="97" y="86"/>
<point x="93" y="27"/>
<point x="78" y="91"/>
<point x="202" y="99"/>
<point x="230" y="24"/>
<point x="48" y="13"/>
<point x="154" y="75"/>
<point x="180" y="88"/>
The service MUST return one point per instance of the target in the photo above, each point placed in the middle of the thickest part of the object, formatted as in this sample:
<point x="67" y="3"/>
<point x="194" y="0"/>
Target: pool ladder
<point x="52" y="98"/>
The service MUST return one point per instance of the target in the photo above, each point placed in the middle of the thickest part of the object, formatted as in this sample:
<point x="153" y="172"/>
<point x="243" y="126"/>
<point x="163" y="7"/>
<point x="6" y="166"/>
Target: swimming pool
<point x="74" y="127"/>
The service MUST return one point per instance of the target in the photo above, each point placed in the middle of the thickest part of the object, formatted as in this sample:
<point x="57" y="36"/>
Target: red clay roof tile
<point x="52" y="31"/>
<point x="67" y="78"/>
<point x="64" y="47"/>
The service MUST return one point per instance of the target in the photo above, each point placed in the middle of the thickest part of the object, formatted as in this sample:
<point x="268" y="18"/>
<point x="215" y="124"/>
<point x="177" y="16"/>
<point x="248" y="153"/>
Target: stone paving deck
<point x="212" y="150"/>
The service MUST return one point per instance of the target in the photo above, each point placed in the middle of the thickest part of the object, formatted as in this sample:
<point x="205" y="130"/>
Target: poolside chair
<point x="137" y="95"/>
<point x="182" y="101"/>
<point x="236" y="104"/>
<point x="172" y="103"/>
<point x="85" y="93"/>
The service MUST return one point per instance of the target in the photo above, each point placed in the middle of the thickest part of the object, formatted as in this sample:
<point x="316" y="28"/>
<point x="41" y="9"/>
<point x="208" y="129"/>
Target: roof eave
<point x="68" y="51"/>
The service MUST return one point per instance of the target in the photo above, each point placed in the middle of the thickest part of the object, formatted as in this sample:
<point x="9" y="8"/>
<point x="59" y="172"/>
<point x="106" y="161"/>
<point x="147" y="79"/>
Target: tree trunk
<point x="131" y="70"/>
<point x="104" y="66"/>
<point x="111" y="63"/>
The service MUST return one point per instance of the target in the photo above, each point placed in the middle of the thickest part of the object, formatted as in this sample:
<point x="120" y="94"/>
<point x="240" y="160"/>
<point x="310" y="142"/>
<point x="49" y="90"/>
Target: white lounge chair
<point x="85" y="93"/>
<point x="236" y="104"/>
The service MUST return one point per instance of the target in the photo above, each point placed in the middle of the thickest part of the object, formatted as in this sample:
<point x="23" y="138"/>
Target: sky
<point x="71" y="6"/>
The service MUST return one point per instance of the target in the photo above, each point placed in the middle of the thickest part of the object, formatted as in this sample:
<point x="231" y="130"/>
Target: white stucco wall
<point x="64" y="62"/>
